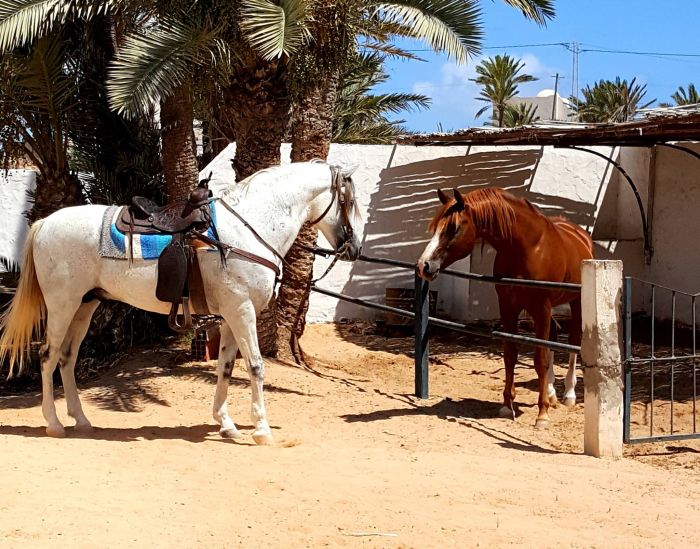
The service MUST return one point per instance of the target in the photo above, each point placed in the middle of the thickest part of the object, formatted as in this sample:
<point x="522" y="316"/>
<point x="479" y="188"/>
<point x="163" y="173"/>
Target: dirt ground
<point x="358" y="462"/>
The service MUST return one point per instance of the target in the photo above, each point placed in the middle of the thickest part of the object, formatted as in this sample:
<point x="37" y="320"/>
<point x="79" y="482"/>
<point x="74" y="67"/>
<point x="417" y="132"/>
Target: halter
<point x="336" y="192"/>
<point x="342" y="197"/>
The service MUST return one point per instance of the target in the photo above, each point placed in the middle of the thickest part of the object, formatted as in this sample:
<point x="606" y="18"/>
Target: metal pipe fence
<point x="665" y="378"/>
<point x="422" y="319"/>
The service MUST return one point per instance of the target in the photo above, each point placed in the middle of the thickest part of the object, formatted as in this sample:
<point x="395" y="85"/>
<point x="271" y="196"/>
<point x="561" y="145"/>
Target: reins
<point x="335" y="190"/>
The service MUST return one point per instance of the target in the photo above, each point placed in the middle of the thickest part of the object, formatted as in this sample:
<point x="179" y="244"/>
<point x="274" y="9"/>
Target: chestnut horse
<point x="528" y="245"/>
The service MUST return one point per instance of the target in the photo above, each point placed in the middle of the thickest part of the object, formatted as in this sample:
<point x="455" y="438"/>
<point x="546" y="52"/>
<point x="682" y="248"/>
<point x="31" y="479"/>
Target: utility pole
<point x="575" y="49"/>
<point x="554" y="99"/>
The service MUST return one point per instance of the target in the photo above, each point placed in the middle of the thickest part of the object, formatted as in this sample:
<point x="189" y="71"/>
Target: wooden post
<point x="420" y="308"/>
<point x="601" y="354"/>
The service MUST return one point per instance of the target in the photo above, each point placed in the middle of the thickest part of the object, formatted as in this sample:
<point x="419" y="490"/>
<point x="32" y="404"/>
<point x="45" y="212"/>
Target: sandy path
<point x="355" y="454"/>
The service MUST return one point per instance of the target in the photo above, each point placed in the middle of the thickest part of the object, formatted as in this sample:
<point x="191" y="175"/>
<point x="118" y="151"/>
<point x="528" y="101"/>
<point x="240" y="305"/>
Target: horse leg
<point x="509" y="319"/>
<point x="551" y="392"/>
<point x="228" y="348"/>
<point x="57" y="325"/>
<point x="574" y="339"/>
<point x="242" y="323"/>
<point x="69" y="355"/>
<point x="542" y="319"/>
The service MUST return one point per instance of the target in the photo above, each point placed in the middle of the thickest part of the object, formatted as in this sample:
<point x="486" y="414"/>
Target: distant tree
<point x="519" y="115"/>
<point x="689" y="97"/>
<point x="500" y="77"/>
<point x="610" y="101"/>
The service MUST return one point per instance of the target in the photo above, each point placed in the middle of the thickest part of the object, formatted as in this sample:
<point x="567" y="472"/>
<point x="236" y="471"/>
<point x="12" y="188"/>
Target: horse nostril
<point x="426" y="267"/>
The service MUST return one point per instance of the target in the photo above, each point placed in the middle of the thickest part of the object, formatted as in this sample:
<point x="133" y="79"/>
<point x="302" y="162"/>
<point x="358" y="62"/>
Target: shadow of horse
<point x="130" y="388"/>
<point x="190" y="433"/>
<point x="466" y="412"/>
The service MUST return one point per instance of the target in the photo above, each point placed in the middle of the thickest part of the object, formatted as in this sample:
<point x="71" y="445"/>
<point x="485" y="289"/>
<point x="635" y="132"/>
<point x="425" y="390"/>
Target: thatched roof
<point x="659" y="126"/>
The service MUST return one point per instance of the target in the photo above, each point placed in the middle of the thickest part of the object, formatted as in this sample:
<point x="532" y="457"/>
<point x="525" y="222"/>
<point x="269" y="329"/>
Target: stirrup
<point x="187" y="317"/>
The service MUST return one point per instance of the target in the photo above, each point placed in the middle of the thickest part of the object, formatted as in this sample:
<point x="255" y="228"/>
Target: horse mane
<point x="239" y="189"/>
<point x="491" y="211"/>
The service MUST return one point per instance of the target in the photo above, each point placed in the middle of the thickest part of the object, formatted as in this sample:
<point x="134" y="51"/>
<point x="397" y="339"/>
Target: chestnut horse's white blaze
<point x="63" y="274"/>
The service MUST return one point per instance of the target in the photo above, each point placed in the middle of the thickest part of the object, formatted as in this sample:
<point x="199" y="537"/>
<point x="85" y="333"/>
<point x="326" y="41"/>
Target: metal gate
<point x="660" y="363"/>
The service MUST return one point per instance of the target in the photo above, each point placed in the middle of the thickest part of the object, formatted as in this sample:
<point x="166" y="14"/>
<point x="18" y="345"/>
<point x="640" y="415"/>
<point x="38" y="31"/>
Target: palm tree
<point x="610" y="101"/>
<point x="38" y="113"/>
<point x="683" y="97"/>
<point x="361" y="116"/>
<point x="519" y="115"/>
<point x="256" y="92"/>
<point x="500" y="77"/>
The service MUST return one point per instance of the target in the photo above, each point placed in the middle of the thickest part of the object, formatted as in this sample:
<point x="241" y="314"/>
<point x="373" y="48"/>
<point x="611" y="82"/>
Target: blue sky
<point x="669" y="26"/>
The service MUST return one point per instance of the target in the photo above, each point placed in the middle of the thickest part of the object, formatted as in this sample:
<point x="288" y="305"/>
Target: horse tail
<point x="24" y="316"/>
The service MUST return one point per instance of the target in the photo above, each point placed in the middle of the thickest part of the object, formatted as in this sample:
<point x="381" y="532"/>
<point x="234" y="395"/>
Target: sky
<point x="650" y="27"/>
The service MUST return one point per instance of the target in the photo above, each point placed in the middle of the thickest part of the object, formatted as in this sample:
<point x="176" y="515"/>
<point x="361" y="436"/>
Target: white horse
<point x="63" y="280"/>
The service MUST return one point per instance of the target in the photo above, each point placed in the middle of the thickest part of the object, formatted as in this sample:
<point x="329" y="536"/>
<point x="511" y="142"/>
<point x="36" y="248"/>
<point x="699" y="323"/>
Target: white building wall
<point x="396" y="193"/>
<point x="396" y="190"/>
<point x="14" y="185"/>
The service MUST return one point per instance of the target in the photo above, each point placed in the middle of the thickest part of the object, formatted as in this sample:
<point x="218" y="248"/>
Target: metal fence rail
<point x="544" y="284"/>
<point x="667" y="360"/>
<point x="422" y="319"/>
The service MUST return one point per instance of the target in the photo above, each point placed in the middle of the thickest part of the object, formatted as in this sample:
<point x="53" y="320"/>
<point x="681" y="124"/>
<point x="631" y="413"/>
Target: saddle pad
<point x="114" y="244"/>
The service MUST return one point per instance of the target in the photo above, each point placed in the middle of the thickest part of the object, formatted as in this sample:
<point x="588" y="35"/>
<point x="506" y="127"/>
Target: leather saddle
<point x="179" y="277"/>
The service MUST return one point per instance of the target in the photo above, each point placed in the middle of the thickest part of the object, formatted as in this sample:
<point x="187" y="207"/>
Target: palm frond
<point x="540" y="11"/>
<point x="389" y="50"/>
<point x="150" y="65"/>
<point x="275" y="29"/>
<point x="23" y="21"/>
<point x="449" y="26"/>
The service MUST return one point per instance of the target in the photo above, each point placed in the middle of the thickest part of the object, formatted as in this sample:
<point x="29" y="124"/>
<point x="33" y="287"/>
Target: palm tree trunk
<point x="178" y="156"/>
<point x="257" y="107"/>
<point x="53" y="192"/>
<point x="257" y="110"/>
<point x="312" y="130"/>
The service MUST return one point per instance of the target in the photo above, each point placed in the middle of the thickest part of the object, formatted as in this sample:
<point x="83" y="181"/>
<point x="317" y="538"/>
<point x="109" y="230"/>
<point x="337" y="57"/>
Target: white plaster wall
<point x="396" y="189"/>
<point x="14" y="185"/>
<point x="675" y="231"/>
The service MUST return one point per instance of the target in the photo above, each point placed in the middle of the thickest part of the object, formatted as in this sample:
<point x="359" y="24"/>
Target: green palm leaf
<point x="449" y="26"/>
<point x="23" y="21"/>
<point x="274" y="29"/>
<point x="150" y="65"/>
<point x="538" y="10"/>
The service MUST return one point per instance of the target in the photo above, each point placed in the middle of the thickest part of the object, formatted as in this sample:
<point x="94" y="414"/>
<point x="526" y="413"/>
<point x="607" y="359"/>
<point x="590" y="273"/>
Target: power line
<point x="630" y="52"/>
<point x="563" y="44"/>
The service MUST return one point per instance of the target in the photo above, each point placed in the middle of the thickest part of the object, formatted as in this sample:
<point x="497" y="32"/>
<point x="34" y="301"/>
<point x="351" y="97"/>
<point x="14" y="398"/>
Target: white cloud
<point x="454" y="95"/>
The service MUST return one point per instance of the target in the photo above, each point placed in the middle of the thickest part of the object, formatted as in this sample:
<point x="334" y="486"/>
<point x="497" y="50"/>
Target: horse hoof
<point x="506" y="413"/>
<point x="553" y="401"/>
<point x="233" y="434"/>
<point x="263" y="439"/>
<point x="542" y="424"/>
<point x="84" y="427"/>
<point x="56" y="431"/>
<point x="570" y="402"/>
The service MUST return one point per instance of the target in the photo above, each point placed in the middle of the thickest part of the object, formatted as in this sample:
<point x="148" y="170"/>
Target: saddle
<point x="179" y="276"/>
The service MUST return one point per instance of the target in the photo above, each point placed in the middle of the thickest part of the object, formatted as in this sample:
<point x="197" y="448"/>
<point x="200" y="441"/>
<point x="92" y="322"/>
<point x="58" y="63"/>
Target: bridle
<point x="344" y="198"/>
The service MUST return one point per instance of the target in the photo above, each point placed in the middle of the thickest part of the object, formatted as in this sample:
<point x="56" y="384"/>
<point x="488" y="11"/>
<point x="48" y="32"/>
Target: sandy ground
<point x="358" y="461"/>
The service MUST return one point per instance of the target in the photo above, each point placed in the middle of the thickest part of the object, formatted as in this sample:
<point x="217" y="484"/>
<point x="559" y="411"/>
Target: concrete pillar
<point x="601" y="354"/>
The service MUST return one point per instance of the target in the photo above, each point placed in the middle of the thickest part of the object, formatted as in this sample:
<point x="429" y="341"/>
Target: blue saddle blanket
<point x="115" y="244"/>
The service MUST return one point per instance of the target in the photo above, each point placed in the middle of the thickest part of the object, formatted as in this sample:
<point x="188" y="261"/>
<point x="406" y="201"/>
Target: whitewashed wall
<point x="14" y="185"/>
<point x="396" y="189"/>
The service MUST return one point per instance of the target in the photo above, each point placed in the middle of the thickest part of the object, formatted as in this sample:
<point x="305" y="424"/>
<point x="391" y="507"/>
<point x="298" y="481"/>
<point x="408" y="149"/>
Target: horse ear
<point x="347" y="171"/>
<point x="443" y="197"/>
<point x="459" y="198"/>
